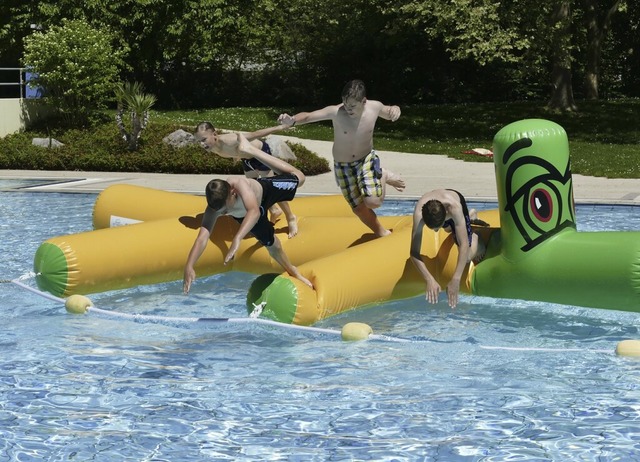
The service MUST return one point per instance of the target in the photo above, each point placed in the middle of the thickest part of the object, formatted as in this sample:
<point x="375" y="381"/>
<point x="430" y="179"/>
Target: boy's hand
<point x="189" y="277"/>
<point x="286" y="119"/>
<point x="394" y="113"/>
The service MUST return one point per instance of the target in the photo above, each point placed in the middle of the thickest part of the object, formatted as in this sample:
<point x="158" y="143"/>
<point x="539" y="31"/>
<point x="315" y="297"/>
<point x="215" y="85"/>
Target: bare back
<point x="238" y="209"/>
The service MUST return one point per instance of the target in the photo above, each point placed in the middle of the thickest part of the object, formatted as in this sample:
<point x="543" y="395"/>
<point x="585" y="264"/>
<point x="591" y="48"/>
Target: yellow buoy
<point x="356" y="331"/>
<point x="628" y="348"/>
<point x="77" y="304"/>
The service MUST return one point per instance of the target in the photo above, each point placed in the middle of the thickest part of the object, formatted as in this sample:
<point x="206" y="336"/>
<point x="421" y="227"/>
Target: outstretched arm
<point x="391" y="113"/>
<point x="453" y="288"/>
<point x="265" y="132"/>
<point x="301" y="118"/>
<point x="433" y="288"/>
<point x="208" y="222"/>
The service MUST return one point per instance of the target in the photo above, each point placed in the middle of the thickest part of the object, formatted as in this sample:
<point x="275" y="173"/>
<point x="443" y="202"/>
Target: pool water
<point x="493" y="380"/>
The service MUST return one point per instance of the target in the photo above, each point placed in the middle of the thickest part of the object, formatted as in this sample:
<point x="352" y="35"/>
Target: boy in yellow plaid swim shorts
<point x="356" y="165"/>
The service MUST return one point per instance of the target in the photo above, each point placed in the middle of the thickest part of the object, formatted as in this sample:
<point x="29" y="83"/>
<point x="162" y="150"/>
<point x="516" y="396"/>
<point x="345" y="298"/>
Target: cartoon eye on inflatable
<point x="539" y="196"/>
<point x="541" y="205"/>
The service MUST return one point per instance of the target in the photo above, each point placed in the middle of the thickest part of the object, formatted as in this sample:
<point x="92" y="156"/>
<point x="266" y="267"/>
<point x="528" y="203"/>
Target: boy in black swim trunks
<point x="446" y="208"/>
<point x="252" y="167"/>
<point x="247" y="200"/>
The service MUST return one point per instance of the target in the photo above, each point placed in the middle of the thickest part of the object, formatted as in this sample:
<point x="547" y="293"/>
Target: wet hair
<point x="204" y="127"/>
<point x="217" y="192"/>
<point x="433" y="214"/>
<point x="354" y="89"/>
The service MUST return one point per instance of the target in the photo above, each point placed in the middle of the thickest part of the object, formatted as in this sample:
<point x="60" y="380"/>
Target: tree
<point x="561" y="82"/>
<point x="598" y="23"/>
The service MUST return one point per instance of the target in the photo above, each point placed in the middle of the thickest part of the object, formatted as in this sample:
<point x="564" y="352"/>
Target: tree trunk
<point x="562" y="86"/>
<point x="596" y="31"/>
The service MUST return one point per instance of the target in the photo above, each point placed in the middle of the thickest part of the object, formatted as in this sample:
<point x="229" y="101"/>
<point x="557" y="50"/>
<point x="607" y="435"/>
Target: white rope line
<point x="175" y="319"/>
<point x="36" y="291"/>
<point x="487" y="347"/>
<point x="269" y="322"/>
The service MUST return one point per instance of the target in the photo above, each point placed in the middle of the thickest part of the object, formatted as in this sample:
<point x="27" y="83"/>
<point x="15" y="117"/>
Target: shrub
<point x="101" y="149"/>
<point x="77" y="67"/>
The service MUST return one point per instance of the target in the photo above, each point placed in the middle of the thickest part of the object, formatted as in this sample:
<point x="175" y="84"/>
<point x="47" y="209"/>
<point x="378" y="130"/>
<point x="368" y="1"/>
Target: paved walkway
<point x="421" y="173"/>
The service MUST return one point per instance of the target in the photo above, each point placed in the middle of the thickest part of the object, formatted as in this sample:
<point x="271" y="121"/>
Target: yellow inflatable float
<point x="348" y="266"/>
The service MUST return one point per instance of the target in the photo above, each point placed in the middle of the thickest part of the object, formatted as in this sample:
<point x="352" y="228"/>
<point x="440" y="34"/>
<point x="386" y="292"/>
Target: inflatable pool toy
<point x="538" y="254"/>
<point x="154" y="251"/>
<point x="534" y="251"/>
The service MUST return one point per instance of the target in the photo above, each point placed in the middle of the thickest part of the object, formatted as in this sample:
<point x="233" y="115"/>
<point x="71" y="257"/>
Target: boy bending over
<point x="224" y="146"/>
<point x="247" y="200"/>
<point x="446" y="208"/>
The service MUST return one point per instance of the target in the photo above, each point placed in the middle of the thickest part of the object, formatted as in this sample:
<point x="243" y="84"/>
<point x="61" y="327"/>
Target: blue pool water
<point x="493" y="380"/>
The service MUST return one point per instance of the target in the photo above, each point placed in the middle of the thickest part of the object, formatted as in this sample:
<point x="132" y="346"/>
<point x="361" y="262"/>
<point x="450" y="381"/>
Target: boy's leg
<point x="292" y="220"/>
<point x="246" y="149"/>
<point x="369" y="218"/>
<point x="393" y="179"/>
<point x="478" y="249"/>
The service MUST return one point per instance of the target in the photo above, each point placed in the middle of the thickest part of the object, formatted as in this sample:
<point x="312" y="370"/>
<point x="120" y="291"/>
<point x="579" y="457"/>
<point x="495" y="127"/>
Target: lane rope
<point x="253" y="319"/>
<point x="186" y="320"/>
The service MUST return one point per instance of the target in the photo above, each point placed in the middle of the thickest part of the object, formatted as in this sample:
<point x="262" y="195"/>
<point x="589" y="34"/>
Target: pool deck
<point x="422" y="173"/>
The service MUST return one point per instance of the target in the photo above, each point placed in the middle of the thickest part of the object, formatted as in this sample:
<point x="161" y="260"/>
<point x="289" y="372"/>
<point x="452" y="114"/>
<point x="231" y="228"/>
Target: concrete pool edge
<point x="421" y="173"/>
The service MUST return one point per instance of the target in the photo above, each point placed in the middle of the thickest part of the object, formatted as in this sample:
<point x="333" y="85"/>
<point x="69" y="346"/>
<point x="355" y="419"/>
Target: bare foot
<point x="384" y="233"/>
<point x="244" y="147"/>
<point x="393" y="179"/>
<point x="293" y="225"/>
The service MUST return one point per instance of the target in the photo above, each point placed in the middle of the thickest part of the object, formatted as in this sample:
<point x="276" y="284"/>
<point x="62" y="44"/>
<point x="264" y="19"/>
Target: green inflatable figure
<point x="538" y="254"/>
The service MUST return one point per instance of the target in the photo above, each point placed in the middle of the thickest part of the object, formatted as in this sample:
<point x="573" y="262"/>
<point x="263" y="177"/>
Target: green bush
<point x="77" y="67"/>
<point x="101" y="149"/>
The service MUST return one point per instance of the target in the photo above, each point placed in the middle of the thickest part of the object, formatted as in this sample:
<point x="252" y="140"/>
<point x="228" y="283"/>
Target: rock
<point x="179" y="139"/>
<point x="46" y="142"/>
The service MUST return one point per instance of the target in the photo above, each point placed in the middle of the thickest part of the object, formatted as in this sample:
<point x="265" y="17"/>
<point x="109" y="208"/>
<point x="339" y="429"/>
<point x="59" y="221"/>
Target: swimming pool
<point x="493" y="380"/>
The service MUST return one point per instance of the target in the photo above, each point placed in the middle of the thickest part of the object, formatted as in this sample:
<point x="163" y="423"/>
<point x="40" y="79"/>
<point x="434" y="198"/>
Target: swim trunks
<point x="467" y="220"/>
<point x="249" y="165"/>
<point x="279" y="188"/>
<point x="359" y="178"/>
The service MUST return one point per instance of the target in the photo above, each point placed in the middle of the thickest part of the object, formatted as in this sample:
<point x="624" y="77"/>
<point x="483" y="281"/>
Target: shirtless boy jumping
<point x="356" y="165"/>
<point x="247" y="200"/>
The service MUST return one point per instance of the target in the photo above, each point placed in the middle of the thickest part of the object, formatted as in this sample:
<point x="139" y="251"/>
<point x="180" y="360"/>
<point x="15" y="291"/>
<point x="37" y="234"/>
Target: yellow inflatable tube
<point x="156" y="251"/>
<point x="125" y="204"/>
<point x="348" y="266"/>
<point x="374" y="272"/>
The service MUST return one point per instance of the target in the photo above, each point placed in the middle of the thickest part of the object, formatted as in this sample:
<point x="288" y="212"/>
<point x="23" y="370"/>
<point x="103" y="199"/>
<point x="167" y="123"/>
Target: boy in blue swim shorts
<point x="247" y="200"/>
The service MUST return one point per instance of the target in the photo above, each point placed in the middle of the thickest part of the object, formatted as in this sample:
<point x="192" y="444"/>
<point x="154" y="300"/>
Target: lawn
<point x="604" y="138"/>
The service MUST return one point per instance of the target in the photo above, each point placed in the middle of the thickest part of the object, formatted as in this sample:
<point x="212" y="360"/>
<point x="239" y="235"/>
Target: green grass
<point x="604" y="138"/>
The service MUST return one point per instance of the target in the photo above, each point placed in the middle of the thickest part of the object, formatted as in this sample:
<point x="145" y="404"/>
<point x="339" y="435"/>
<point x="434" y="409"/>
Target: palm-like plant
<point x="131" y="98"/>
